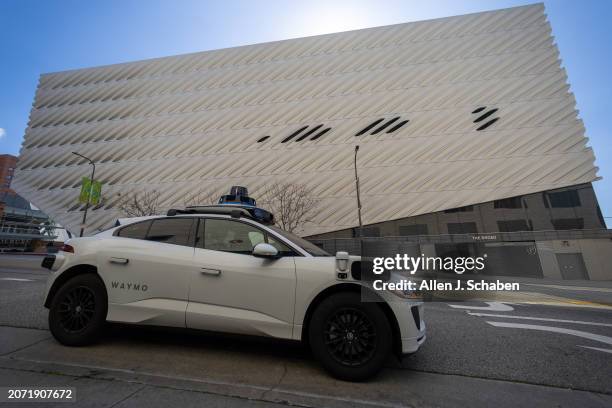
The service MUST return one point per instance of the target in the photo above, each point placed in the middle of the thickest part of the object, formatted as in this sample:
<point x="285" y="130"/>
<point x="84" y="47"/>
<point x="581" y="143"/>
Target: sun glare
<point x="332" y="18"/>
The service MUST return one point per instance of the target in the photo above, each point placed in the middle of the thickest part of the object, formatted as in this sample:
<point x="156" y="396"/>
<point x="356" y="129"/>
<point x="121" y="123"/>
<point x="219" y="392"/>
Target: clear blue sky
<point x="46" y="36"/>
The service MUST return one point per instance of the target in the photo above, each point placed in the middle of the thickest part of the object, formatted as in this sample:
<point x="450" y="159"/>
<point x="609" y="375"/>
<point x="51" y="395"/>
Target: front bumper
<point x="411" y="345"/>
<point x="48" y="261"/>
<point x="412" y="327"/>
<point x="53" y="262"/>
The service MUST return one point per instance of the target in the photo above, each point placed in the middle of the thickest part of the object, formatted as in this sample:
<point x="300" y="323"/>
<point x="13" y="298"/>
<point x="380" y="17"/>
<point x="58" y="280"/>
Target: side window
<point x="177" y="231"/>
<point x="231" y="236"/>
<point x="136" y="231"/>
<point x="238" y="237"/>
<point x="283" y="250"/>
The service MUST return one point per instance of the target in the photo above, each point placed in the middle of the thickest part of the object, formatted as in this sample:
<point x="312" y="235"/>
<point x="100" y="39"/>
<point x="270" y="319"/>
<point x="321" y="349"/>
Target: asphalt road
<point x="527" y="353"/>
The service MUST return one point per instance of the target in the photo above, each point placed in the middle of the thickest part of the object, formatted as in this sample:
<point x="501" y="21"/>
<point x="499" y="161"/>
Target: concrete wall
<point x="550" y="266"/>
<point x="597" y="254"/>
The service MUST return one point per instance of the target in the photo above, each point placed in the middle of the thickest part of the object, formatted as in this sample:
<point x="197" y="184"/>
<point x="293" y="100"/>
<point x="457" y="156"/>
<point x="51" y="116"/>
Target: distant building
<point x="469" y="137"/>
<point x="8" y="163"/>
<point x="23" y="227"/>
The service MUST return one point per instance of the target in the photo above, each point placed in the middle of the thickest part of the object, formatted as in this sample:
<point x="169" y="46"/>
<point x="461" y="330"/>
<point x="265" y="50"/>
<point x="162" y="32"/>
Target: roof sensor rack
<point x="234" y="210"/>
<point x="237" y="204"/>
<point x="238" y="195"/>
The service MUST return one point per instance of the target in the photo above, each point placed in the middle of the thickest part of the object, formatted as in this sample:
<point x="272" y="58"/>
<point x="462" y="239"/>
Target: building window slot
<point x="321" y="133"/>
<point x="467" y="208"/>
<point x="568" y="223"/>
<point x="416" y="229"/>
<point x="310" y="132"/>
<point x="399" y="125"/>
<point x="486" y="115"/>
<point x="562" y="199"/>
<point x="384" y="126"/>
<point x="512" y="202"/>
<point x="489" y="123"/>
<point x="370" y="126"/>
<point x="294" y="134"/>
<point x="462" y="228"/>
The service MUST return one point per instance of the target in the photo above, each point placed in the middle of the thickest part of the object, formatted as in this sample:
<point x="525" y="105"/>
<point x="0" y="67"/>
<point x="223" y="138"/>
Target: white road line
<point x="577" y="288"/>
<point x="598" y="349"/>
<point x="541" y="318"/>
<point x="493" y="307"/>
<point x="577" y="333"/>
<point x="17" y="279"/>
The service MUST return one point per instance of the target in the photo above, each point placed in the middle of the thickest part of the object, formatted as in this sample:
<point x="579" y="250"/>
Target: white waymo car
<point x="223" y="268"/>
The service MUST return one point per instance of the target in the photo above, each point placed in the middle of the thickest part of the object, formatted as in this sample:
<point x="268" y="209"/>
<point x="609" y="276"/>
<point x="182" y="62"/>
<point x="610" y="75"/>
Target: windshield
<point x="307" y="246"/>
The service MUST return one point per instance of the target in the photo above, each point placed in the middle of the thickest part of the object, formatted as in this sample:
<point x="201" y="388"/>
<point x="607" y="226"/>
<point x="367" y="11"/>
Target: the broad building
<point x="466" y="127"/>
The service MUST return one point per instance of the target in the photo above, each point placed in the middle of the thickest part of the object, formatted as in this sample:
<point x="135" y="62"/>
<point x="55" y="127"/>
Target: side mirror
<point x="263" y="250"/>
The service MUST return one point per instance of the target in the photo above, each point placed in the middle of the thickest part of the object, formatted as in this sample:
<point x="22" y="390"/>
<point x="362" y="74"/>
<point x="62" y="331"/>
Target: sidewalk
<point x="92" y="392"/>
<point x="116" y="379"/>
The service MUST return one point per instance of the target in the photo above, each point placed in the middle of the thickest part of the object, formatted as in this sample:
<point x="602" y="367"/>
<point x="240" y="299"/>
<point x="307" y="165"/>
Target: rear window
<point x="137" y="231"/>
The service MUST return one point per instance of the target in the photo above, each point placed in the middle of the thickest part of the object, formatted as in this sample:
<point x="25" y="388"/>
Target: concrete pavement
<point x="120" y="373"/>
<point x="466" y="361"/>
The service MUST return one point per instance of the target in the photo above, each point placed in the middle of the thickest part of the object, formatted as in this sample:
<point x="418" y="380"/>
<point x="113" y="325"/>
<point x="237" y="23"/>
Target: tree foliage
<point x="139" y="204"/>
<point x="291" y="204"/>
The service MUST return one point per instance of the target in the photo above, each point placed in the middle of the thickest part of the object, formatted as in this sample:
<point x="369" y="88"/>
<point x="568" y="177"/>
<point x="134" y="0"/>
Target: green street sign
<point x="85" y="190"/>
<point x="96" y="192"/>
<point x="90" y="191"/>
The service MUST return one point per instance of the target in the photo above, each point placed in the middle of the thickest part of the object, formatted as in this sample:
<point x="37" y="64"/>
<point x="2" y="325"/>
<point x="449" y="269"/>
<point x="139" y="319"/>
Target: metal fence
<point x="405" y="244"/>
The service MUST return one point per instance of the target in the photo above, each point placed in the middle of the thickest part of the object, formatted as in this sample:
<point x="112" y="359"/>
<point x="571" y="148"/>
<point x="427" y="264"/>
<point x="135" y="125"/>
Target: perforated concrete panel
<point x="416" y="94"/>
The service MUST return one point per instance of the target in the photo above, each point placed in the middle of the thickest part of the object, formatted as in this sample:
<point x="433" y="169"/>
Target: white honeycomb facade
<point x="190" y="123"/>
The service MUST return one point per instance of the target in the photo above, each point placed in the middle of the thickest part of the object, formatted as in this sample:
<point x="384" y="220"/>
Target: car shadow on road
<point x="178" y="338"/>
<point x="177" y="341"/>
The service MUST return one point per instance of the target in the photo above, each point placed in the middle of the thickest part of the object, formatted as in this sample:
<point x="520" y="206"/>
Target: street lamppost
<point x="358" y="197"/>
<point x="93" y="173"/>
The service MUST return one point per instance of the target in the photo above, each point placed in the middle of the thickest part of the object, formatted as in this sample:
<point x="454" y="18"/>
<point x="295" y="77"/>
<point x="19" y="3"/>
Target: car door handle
<point x="211" y="272"/>
<point x="122" y="261"/>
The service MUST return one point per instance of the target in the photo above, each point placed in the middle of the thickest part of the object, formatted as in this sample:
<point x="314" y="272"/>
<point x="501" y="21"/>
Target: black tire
<point x="78" y="310"/>
<point x="350" y="338"/>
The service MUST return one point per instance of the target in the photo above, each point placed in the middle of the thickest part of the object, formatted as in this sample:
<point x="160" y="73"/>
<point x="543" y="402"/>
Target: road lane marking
<point x="598" y="349"/>
<point x="17" y="279"/>
<point x="540" y="318"/>
<point x="577" y="333"/>
<point x="492" y="306"/>
<point x="577" y="288"/>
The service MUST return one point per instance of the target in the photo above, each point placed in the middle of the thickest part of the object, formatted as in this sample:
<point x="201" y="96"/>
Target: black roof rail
<point x="236" y="211"/>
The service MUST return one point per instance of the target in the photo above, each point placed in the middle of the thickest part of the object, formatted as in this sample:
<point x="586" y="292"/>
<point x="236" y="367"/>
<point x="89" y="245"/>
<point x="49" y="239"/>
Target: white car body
<point x="155" y="283"/>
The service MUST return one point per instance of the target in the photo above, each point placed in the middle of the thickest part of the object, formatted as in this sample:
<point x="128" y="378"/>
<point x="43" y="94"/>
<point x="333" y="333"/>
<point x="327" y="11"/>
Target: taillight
<point x="67" y="248"/>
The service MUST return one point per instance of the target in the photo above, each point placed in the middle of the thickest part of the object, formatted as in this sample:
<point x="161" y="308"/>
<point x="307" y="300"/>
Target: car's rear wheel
<point x="78" y="310"/>
<point x="351" y="338"/>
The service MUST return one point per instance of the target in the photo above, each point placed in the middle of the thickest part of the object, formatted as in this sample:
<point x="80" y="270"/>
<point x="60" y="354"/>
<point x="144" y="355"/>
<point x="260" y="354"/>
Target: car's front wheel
<point x="78" y="310"/>
<point x="351" y="338"/>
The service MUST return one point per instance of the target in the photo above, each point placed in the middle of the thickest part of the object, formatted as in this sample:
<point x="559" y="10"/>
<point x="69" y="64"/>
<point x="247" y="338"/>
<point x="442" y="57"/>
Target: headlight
<point x="399" y="286"/>
<point x="407" y="294"/>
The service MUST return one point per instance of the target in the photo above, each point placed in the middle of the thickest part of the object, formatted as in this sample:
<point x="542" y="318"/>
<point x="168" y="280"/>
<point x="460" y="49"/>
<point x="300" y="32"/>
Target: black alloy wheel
<point x="77" y="313"/>
<point x="350" y="337"/>
<point x="76" y="309"/>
